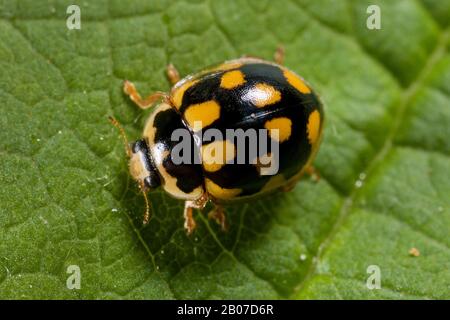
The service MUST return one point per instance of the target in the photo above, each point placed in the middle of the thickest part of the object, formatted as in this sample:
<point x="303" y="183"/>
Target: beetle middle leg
<point x="218" y="215"/>
<point x="130" y="90"/>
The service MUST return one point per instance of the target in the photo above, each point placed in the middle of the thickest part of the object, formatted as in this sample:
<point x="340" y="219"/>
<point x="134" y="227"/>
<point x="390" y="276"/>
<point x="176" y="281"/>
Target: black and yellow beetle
<point x="238" y="94"/>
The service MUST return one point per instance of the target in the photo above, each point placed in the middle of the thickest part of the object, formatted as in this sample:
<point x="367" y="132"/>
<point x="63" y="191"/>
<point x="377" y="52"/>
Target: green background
<point x="66" y="198"/>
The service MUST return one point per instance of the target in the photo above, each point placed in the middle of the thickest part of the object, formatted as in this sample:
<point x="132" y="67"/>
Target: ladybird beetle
<point x="245" y="93"/>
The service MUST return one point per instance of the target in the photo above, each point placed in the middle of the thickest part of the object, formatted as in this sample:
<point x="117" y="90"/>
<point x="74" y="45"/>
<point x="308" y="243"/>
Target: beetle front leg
<point x="189" y="222"/>
<point x="130" y="90"/>
<point x="189" y="206"/>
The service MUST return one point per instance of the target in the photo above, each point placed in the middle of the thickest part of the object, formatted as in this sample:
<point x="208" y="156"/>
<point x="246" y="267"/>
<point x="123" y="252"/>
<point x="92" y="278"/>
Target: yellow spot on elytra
<point x="262" y="95"/>
<point x="232" y="79"/>
<point x="204" y="113"/>
<point x="279" y="128"/>
<point x="220" y="193"/>
<point x="216" y="154"/>
<point x="178" y="92"/>
<point x="313" y="126"/>
<point x="296" y="82"/>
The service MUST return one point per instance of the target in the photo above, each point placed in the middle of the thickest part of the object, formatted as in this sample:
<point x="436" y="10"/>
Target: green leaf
<point x="66" y="197"/>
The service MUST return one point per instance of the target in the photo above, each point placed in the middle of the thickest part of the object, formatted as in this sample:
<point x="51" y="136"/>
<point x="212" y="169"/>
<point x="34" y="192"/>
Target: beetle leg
<point x="189" y="205"/>
<point x="131" y="91"/>
<point x="278" y="56"/>
<point x="172" y="74"/>
<point x="218" y="215"/>
<point x="189" y="222"/>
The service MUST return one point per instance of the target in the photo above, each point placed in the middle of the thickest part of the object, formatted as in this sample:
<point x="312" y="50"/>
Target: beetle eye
<point x="152" y="181"/>
<point x="138" y="146"/>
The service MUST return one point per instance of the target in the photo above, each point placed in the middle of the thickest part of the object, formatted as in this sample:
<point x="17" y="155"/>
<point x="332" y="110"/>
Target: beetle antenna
<point x="116" y="124"/>
<point x="147" y="205"/>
